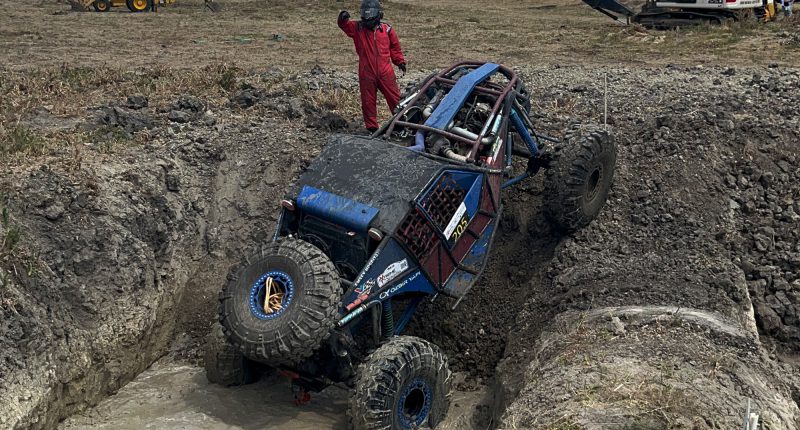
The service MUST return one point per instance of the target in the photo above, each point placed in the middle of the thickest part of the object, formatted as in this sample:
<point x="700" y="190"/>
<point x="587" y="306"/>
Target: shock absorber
<point x="387" y="323"/>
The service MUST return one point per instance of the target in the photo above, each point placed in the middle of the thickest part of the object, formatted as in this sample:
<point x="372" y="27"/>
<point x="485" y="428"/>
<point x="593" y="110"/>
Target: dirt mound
<point x="675" y="233"/>
<point x="99" y="247"/>
<point x="109" y="249"/>
<point x="649" y="368"/>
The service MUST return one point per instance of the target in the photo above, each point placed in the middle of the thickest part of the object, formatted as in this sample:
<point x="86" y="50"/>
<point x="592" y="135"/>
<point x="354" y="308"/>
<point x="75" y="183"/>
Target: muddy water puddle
<point x="175" y="396"/>
<point x="178" y="396"/>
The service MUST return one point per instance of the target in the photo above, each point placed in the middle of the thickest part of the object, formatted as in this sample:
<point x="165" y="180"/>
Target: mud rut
<point x="713" y="215"/>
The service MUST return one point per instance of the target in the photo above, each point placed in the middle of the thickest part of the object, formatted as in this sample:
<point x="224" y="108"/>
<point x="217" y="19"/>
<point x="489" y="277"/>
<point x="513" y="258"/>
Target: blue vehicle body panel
<point x="461" y="281"/>
<point x="391" y="271"/>
<point x="475" y="257"/>
<point x="336" y="209"/>
<point x="470" y="182"/>
<point x="454" y="100"/>
<point x="473" y="198"/>
<point x="413" y="283"/>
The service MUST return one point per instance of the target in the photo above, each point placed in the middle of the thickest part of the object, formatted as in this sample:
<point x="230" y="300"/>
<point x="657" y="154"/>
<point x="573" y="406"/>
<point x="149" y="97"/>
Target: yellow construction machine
<point x="106" y="5"/>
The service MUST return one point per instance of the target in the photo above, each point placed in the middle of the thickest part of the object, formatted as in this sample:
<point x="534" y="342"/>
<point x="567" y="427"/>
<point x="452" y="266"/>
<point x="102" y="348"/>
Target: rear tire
<point x="138" y="5"/>
<point x="101" y="5"/>
<point x="309" y="307"/>
<point x="404" y="384"/>
<point x="580" y="176"/>
<point x="224" y="364"/>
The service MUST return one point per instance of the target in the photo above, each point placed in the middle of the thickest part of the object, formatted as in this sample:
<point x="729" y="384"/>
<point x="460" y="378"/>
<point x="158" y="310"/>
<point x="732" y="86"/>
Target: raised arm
<point x="349" y="27"/>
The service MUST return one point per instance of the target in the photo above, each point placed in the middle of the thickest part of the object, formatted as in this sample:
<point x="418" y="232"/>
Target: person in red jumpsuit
<point x="378" y="48"/>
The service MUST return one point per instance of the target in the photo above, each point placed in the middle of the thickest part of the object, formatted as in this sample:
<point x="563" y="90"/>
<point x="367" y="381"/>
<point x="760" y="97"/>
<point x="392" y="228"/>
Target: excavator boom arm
<point x="613" y="9"/>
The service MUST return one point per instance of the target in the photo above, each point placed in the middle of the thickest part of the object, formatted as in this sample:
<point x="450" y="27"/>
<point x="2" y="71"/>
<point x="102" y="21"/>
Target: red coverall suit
<point x="377" y="50"/>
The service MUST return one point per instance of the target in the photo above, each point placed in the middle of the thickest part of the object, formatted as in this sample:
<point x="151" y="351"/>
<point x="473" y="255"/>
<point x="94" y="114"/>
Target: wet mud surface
<point x="172" y="395"/>
<point x="169" y="396"/>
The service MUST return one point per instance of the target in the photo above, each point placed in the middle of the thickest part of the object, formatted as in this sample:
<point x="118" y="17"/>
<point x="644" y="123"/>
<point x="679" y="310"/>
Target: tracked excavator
<point x="667" y="14"/>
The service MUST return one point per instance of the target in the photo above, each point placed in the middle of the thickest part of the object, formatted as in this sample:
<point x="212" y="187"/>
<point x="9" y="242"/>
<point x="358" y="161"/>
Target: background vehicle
<point x="375" y="225"/>
<point x="106" y="5"/>
<point x="680" y="13"/>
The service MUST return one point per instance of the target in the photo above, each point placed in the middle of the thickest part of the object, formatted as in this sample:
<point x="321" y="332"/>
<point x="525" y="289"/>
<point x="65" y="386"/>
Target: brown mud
<point x="671" y="310"/>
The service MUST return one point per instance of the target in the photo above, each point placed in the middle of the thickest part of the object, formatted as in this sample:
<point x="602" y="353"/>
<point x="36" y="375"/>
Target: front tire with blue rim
<point x="403" y="385"/>
<point x="301" y="318"/>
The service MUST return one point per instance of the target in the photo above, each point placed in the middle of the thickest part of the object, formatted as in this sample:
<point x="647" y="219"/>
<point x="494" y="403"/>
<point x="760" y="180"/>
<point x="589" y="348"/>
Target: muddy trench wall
<point x="127" y="248"/>
<point x="124" y="253"/>
<point x="671" y="310"/>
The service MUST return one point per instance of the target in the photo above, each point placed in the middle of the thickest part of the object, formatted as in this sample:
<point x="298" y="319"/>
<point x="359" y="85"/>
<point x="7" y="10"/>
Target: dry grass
<point x="15" y="253"/>
<point x="433" y="33"/>
<point x="67" y="99"/>
<point x="66" y="63"/>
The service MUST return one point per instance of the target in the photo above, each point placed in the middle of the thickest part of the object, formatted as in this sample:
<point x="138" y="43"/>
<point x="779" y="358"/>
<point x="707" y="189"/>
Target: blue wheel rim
<point x="284" y="281"/>
<point x="414" y="404"/>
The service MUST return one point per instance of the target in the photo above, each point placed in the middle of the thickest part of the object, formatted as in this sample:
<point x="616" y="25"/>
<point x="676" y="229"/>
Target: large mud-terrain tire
<point x="138" y="5"/>
<point x="579" y="177"/>
<point x="404" y="384"/>
<point x="310" y="305"/>
<point x="224" y="364"/>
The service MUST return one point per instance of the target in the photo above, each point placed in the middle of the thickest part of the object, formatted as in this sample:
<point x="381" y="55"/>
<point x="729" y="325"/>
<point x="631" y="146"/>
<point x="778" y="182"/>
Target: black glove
<point x="402" y="67"/>
<point x="344" y="15"/>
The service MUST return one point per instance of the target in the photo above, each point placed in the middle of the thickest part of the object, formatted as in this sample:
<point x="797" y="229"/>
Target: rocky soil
<point x="669" y="311"/>
<point x="680" y="302"/>
<point x="124" y="252"/>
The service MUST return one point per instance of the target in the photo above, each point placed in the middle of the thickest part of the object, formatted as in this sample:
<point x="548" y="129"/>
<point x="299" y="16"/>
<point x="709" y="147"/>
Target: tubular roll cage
<point x="444" y="78"/>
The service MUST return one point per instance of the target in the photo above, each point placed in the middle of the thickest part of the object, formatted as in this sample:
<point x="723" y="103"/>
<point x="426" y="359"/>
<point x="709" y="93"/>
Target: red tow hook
<point x="301" y="396"/>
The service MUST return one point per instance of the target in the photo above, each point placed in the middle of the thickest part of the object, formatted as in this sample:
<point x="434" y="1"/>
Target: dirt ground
<point x="294" y="36"/>
<point x="136" y="170"/>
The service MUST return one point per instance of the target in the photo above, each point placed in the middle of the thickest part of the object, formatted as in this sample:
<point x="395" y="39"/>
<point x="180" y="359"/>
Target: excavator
<point x="106" y="5"/>
<point x="668" y="14"/>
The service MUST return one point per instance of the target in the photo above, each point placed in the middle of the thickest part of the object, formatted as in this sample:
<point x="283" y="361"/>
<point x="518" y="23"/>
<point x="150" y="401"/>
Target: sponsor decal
<point x="362" y="292"/>
<point x="367" y="267"/>
<point x="451" y="226"/>
<point x="392" y="271"/>
<point x="365" y="288"/>
<point x="390" y="291"/>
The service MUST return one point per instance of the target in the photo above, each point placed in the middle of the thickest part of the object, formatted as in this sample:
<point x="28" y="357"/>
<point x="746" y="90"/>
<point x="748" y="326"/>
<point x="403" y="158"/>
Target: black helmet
<point x="371" y="10"/>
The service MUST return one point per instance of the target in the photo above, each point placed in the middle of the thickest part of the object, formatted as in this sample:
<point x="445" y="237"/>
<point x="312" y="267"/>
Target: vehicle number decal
<point x="454" y="222"/>
<point x="460" y="228"/>
<point x="392" y="271"/>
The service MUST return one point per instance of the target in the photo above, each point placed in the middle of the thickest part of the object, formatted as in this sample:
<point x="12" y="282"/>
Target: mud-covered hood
<point x="370" y="171"/>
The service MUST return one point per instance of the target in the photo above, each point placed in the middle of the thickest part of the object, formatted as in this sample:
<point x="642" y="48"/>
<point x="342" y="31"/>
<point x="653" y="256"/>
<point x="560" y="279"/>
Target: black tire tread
<point x="97" y="8"/>
<point x="224" y="364"/>
<point x="564" y="179"/>
<point x="376" y="378"/>
<point x="321" y="308"/>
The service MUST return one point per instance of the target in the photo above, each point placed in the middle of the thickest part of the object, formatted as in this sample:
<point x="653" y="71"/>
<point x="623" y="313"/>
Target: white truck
<point x="662" y="14"/>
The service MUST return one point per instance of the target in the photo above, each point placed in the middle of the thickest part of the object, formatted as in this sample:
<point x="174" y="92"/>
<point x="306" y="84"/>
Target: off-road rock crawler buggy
<point x="375" y="225"/>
